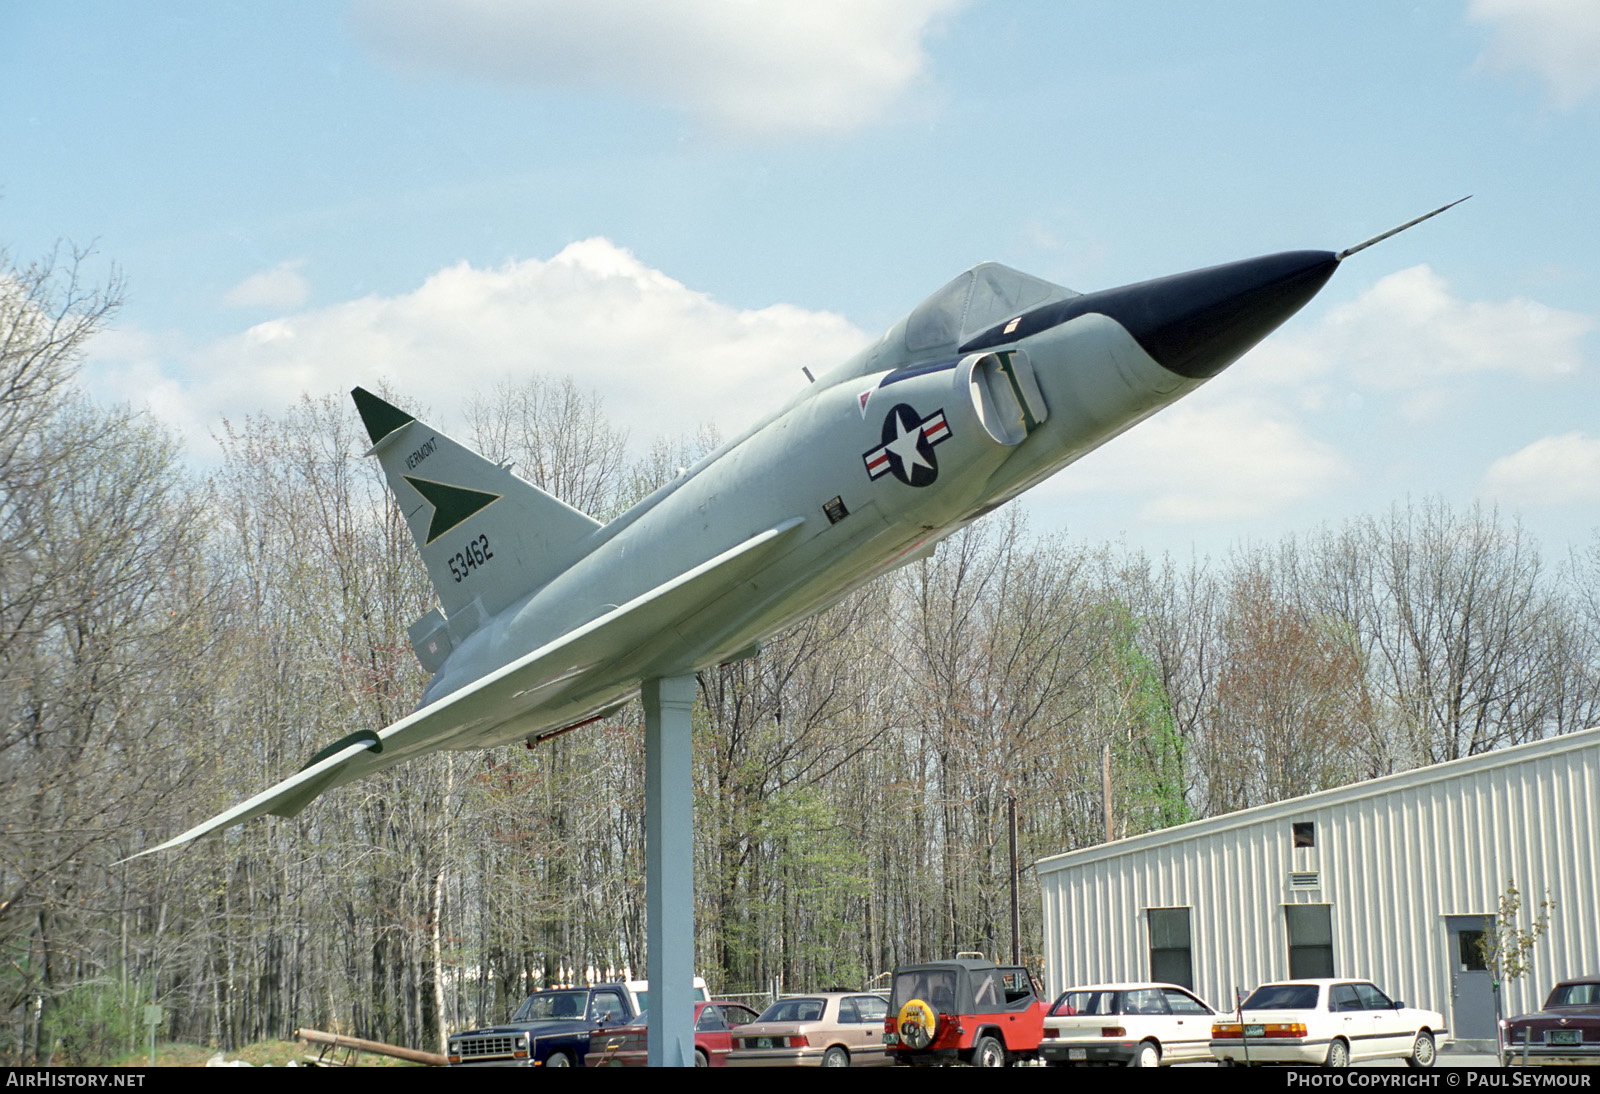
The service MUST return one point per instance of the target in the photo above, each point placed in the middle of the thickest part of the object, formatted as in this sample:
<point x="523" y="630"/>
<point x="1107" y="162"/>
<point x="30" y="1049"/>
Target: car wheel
<point x="1149" y="1055"/>
<point x="1422" y="1051"/>
<point x="988" y="1052"/>
<point x="1338" y="1055"/>
<point x="558" y="1059"/>
<point x="700" y="1059"/>
<point x="836" y="1057"/>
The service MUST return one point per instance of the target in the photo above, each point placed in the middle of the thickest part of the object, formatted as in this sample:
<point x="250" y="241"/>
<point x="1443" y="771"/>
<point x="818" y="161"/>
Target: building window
<point x="1170" y="959"/>
<point x="1310" y="929"/>
<point x="1305" y="833"/>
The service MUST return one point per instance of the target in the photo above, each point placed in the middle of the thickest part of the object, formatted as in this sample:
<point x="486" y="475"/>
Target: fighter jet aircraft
<point x="548" y="619"/>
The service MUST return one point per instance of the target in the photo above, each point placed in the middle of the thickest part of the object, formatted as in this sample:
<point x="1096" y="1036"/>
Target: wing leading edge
<point x="514" y="692"/>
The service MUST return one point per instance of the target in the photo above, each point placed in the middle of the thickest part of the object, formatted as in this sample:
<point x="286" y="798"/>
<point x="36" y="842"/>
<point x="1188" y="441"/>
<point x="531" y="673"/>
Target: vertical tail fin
<point x="486" y="536"/>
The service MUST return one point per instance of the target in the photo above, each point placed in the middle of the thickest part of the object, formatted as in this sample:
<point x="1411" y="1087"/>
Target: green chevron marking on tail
<point x="451" y="504"/>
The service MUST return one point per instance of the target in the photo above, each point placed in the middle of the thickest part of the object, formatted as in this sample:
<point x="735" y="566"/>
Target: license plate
<point x="1255" y="1030"/>
<point x="1077" y="1054"/>
<point x="1563" y="1036"/>
<point x="890" y="1038"/>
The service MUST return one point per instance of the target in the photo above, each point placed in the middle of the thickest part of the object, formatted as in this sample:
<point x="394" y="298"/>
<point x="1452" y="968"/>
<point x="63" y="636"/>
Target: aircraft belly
<point x="765" y="604"/>
<point x="590" y="665"/>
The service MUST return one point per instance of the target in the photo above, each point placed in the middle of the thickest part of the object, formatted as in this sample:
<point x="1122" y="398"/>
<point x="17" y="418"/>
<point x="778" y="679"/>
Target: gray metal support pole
<point x="1016" y="914"/>
<point x="669" y="867"/>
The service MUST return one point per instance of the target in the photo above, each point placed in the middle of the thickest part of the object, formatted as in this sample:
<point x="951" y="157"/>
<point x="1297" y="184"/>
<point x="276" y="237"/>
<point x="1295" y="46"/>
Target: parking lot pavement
<point x="1448" y="1057"/>
<point x="1466" y="1058"/>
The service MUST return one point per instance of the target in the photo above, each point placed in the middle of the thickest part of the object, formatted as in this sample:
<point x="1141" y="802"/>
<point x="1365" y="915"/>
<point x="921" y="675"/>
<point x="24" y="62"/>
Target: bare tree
<point x="107" y="611"/>
<point x="556" y="436"/>
<point x="1451" y="607"/>
<point x="1291" y="701"/>
<point x="48" y="313"/>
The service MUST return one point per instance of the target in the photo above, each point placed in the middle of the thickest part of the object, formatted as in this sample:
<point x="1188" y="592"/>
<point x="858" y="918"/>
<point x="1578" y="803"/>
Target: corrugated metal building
<point x="1388" y="880"/>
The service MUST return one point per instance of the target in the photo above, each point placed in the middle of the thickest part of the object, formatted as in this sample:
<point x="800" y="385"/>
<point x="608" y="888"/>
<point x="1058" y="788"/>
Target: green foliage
<point x="1507" y="948"/>
<point x="1150" y="757"/>
<point x="818" y="872"/>
<point x="92" y="1024"/>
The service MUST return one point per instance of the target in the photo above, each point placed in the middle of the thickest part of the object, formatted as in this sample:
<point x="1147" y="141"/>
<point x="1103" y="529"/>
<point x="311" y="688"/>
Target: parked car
<point x="639" y="993"/>
<point x="828" y="1029"/>
<point x="628" y="1046"/>
<point x="1136" y="1025"/>
<point x="967" y="1010"/>
<point x="1565" y="1032"/>
<point x="1330" y="1022"/>
<point x="550" y="1029"/>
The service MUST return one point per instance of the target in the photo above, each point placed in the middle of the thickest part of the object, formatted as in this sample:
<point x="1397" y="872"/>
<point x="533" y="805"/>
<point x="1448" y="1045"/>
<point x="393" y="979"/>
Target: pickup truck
<point x="550" y="1029"/>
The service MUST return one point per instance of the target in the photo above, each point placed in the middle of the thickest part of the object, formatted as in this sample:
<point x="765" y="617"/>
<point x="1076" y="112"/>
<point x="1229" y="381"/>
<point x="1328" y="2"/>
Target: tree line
<point x="172" y="642"/>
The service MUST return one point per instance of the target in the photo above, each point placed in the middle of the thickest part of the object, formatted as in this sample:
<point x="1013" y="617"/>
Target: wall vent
<point x="1304" y="880"/>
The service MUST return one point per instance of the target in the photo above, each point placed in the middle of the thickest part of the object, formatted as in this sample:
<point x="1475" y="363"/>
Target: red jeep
<point x="967" y="1011"/>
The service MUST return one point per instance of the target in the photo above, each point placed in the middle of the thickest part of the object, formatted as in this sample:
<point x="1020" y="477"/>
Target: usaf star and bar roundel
<point x="907" y="448"/>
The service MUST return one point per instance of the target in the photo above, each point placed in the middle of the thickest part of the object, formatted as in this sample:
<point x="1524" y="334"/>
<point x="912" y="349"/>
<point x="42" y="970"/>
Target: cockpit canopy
<point x="978" y="299"/>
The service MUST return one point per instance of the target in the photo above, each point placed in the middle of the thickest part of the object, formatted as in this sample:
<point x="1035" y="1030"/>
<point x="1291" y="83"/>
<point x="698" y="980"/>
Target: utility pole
<point x="1105" y="786"/>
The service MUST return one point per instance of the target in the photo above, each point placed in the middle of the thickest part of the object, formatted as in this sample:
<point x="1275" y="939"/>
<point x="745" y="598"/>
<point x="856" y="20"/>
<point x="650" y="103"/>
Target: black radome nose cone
<point x="1197" y="323"/>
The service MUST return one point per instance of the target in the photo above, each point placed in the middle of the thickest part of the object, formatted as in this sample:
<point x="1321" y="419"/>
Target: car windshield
<point x="1575" y="995"/>
<point x="1283" y="997"/>
<point x="936" y="987"/>
<point x="793" y="1010"/>
<point x="552" y="1004"/>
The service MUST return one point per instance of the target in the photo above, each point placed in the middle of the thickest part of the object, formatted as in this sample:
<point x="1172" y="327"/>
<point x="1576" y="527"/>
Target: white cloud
<point x="280" y="287"/>
<point x="1212" y="461"/>
<point x="127" y="365"/>
<point x="1552" y="471"/>
<point x="662" y="357"/>
<point x="665" y="358"/>
<point x="1559" y="40"/>
<point x="1410" y="333"/>
<point x="777" y="65"/>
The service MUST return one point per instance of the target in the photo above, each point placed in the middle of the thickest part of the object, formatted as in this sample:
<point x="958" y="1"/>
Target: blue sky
<point x="680" y="204"/>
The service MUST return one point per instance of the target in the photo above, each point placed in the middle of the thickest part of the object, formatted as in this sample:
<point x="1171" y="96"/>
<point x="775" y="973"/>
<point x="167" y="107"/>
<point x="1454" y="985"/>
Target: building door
<point x="1472" y="1015"/>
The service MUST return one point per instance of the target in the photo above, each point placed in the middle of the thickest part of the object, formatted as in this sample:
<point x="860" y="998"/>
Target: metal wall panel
<point x="1395" y="856"/>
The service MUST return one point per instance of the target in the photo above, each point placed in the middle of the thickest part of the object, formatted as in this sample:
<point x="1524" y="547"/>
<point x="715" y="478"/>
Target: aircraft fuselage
<point x="878" y="460"/>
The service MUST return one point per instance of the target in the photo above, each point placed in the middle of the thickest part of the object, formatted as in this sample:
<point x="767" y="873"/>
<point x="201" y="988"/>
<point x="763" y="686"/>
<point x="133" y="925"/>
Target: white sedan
<point x="1137" y="1025"/>
<point x="1331" y="1022"/>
